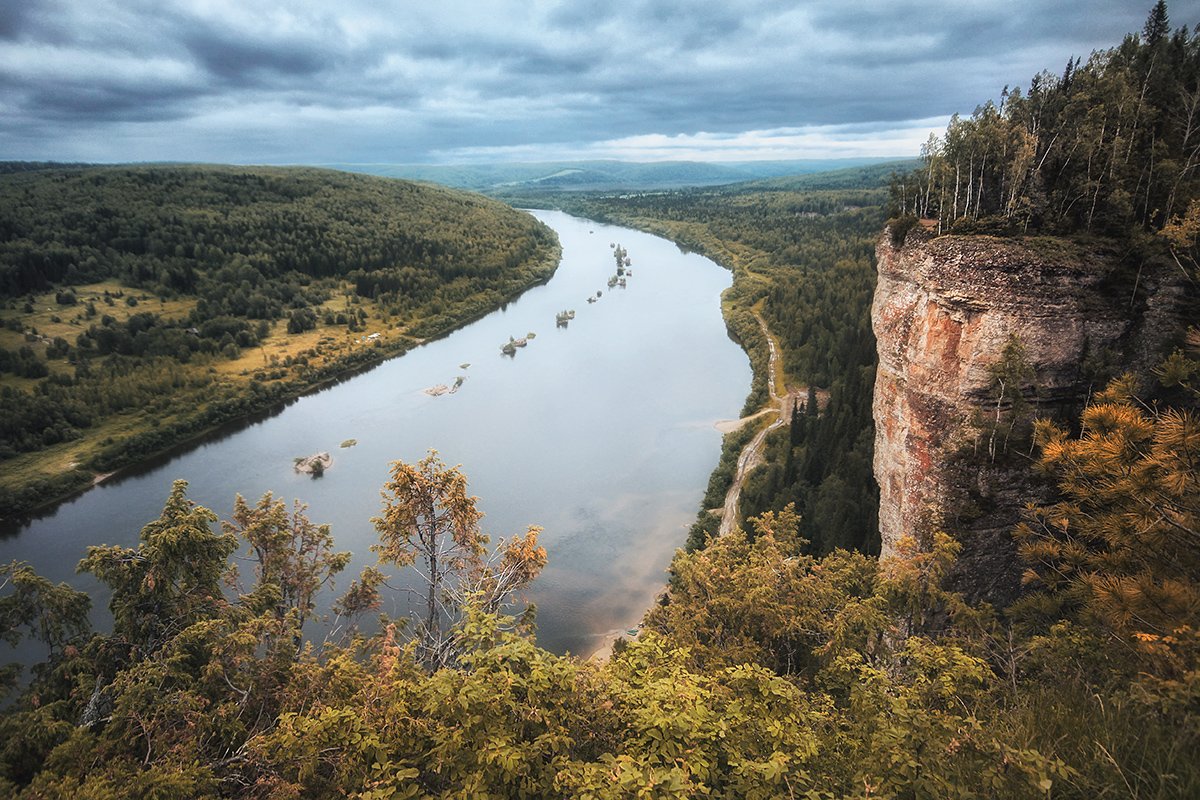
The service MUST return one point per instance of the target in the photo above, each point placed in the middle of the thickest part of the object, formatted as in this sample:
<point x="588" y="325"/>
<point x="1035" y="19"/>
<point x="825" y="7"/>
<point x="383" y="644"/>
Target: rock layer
<point x="944" y="310"/>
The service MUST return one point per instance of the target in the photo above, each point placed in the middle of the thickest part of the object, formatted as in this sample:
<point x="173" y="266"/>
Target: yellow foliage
<point x="1123" y="547"/>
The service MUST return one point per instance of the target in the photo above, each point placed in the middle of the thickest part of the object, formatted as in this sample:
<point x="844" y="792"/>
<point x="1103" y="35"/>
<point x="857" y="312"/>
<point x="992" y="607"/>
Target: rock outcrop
<point x="945" y="309"/>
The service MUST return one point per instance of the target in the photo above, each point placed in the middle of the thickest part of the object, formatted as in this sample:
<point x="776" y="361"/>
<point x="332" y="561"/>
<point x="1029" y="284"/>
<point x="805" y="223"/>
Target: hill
<point x="601" y="176"/>
<point x="159" y="301"/>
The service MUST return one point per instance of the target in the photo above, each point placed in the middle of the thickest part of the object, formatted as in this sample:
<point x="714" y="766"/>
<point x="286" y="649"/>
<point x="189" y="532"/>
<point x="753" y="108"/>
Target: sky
<point x="462" y="81"/>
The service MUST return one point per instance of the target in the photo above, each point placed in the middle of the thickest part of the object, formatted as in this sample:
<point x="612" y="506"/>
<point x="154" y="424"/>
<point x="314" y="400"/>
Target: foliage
<point x="246" y="240"/>
<point x="430" y="523"/>
<point x="769" y="672"/>
<point x="1008" y="417"/>
<point x="1121" y="548"/>
<point x="171" y="580"/>
<point x="1107" y="145"/>
<point x="295" y="558"/>
<point x="55" y="615"/>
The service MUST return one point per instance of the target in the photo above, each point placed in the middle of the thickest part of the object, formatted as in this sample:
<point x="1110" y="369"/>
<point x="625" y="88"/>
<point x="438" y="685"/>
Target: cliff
<point x="945" y="310"/>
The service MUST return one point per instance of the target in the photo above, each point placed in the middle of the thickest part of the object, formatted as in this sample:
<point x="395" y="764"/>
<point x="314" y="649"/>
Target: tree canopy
<point x="1110" y="144"/>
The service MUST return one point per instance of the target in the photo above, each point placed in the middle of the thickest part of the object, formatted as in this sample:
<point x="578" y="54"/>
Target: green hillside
<point x="504" y="179"/>
<point x="143" y="305"/>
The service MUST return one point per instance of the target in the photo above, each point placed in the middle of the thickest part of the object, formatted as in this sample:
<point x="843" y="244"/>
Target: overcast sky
<point x="458" y="81"/>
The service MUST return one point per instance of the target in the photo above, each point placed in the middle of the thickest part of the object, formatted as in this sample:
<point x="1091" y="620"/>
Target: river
<point x="601" y="432"/>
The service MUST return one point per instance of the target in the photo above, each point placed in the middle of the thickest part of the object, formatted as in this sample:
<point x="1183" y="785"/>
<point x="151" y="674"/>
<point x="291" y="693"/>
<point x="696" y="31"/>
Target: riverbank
<point x="544" y="439"/>
<point x="283" y="369"/>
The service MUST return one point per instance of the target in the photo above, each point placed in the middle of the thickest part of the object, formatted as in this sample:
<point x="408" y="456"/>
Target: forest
<point x="781" y="662"/>
<point x="144" y="305"/>
<point x="1108" y="145"/>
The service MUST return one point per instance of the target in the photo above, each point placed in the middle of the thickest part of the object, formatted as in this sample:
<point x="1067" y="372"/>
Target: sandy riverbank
<point x="603" y="651"/>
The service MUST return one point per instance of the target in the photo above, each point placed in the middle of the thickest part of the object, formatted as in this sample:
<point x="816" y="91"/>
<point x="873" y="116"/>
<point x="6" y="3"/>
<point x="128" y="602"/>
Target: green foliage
<point x="1008" y="418"/>
<point x="1107" y="146"/>
<point x="295" y="558"/>
<point x="430" y="521"/>
<point x="768" y="673"/>
<point x="247" y="240"/>
<point x="227" y="251"/>
<point x="171" y="580"/>
<point x="55" y="615"/>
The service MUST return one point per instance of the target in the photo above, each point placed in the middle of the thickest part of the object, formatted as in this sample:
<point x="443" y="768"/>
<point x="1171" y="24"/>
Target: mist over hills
<point x="592" y="176"/>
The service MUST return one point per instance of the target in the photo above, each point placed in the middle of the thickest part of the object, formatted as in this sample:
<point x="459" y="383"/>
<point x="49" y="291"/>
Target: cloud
<point x="810" y="142"/>
<point x="305" y="80"/>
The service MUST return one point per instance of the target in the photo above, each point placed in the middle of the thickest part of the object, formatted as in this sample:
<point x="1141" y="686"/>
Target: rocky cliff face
<point x="945" y="309"/>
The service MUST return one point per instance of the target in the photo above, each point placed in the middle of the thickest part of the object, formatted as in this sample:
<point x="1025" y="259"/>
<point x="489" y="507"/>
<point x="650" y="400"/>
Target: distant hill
<point x="599" y="176"/>
<point x="864" y="176"/>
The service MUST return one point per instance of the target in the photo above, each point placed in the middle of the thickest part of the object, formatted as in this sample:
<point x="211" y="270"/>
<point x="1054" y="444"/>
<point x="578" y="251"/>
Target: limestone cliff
<point x="945" y="308"/>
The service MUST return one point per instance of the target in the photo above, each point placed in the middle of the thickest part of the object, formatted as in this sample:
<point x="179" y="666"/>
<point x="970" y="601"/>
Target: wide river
<point x="601" y="432"/>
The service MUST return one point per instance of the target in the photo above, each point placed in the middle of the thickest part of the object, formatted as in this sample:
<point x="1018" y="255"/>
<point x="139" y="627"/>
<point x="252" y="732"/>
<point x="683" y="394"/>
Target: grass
<point x="50" y="319"/>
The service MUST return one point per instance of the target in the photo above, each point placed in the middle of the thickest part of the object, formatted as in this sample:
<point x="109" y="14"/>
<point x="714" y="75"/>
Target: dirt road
<point x="751" y="456"/>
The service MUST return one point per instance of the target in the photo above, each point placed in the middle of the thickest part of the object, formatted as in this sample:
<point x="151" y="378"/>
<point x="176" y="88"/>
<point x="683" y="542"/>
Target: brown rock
<point x="944" y="310"/>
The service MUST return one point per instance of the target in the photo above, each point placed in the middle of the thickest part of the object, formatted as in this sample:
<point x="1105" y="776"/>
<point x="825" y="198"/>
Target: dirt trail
<point x="751" y="456"/>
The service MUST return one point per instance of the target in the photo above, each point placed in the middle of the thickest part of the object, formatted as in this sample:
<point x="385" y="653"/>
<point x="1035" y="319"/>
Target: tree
<point x="294" y="557"/>
<point x="171" y="579"/>
<point x="429" y="522"/>
<point x="1122" y="549"/>
<point x="55" y="615"/>
<point x="1010" y="375"/>
<point x="1157" y="26"/>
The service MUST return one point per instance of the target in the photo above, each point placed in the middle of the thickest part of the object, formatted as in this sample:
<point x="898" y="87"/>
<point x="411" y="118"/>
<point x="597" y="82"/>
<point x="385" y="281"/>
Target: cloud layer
<point x="303" y="81"/>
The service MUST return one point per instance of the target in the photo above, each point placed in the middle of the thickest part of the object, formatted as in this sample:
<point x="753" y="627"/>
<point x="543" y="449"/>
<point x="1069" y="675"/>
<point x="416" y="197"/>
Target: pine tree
<point x="1157" y="26"/>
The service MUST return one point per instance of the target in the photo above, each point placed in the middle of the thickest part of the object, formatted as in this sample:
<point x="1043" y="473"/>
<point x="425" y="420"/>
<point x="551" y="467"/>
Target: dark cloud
<point x="241" y="60"/>
<point x="304" y="80"/>
<point x="13" y="19"/>
<point x="99" y="103"/>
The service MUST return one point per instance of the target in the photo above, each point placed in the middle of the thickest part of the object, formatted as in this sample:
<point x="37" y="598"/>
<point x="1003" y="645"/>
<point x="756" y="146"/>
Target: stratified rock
<point x="945" y="308"/>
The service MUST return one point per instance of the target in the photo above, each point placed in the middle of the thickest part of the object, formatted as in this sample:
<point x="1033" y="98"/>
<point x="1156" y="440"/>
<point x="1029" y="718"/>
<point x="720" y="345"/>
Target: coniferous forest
<point x="784" y="660"/>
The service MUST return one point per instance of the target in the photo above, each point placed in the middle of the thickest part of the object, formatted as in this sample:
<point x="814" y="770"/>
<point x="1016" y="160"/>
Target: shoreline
<point x="18" y="511"/>
<point x="603" y="651"/>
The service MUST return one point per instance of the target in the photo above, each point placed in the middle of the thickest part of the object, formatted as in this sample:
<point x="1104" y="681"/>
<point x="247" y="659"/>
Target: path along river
<point x="601" y="432"/>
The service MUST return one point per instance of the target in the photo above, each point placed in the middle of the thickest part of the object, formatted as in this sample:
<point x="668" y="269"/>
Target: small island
<point x="314" y="465"/>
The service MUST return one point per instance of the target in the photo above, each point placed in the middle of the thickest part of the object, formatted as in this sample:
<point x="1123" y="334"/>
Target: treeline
<point x="804" y="261"/>
<point x="216" y="232"/>
<point x="1108" y="145"/>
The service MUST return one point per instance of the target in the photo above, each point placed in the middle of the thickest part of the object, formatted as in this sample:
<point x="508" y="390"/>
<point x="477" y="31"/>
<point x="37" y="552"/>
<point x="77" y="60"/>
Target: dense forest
<point x="775" y="667"/>
<point x="196" y="295"/>
<point x="1110" y="144"/>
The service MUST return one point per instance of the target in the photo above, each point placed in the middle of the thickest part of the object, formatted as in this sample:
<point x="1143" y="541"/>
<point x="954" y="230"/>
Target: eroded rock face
<point x="944" y="310"/>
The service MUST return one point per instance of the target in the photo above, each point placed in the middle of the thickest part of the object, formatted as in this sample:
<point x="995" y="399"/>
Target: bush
<point x="899" y="228"/>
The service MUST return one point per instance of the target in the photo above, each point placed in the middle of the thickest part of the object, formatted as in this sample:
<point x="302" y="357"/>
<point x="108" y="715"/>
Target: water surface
<point x="601" y="432"/>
